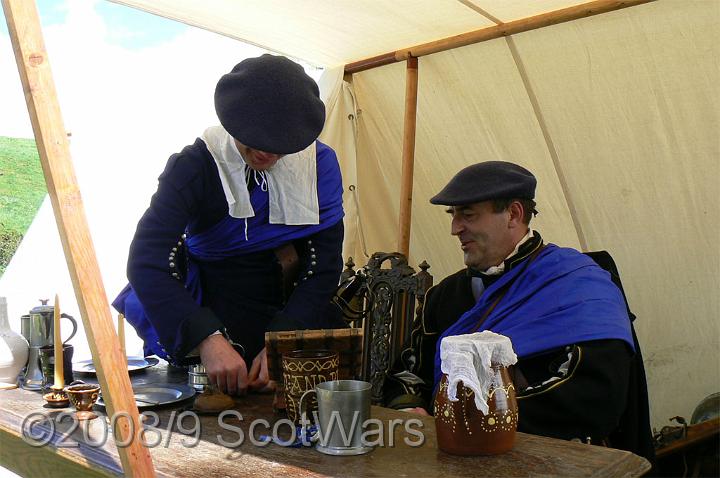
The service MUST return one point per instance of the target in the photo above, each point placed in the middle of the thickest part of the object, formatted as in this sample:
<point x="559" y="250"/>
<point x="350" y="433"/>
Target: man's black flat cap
<point x="269" y="103"/>
<point x="485" y="181"/>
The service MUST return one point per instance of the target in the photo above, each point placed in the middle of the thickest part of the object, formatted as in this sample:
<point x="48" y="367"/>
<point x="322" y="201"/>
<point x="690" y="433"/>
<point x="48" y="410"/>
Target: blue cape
<point x="563" y="297"/>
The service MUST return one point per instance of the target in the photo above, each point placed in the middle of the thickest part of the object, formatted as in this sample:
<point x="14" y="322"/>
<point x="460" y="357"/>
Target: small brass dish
<point x="83" y="396"/>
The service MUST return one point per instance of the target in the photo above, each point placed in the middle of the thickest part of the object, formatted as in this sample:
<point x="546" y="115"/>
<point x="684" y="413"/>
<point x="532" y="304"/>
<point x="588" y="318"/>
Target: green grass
<point x="22" y="189"/>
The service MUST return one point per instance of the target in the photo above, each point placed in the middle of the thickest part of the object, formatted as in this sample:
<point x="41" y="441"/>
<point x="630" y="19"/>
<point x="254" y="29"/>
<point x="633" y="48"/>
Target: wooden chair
<point x="385" y="300"/>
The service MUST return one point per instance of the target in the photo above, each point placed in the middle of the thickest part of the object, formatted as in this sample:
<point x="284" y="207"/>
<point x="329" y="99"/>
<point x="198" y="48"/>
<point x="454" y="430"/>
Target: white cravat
<point x="291" y="182"/>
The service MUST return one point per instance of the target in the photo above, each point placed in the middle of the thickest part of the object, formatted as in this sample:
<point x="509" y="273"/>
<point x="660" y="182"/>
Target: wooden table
<point x="73" y="455"/>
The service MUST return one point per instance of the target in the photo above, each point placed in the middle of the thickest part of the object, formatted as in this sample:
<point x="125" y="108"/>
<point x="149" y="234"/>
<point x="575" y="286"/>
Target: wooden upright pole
<point x="50" y="136"/>
<point x="408" y="155"/>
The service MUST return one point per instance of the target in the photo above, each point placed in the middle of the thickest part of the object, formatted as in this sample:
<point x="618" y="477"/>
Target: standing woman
<point x="244" y="233"/>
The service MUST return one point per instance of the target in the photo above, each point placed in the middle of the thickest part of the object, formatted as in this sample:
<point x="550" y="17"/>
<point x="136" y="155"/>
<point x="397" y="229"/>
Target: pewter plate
<point x="159" y="394"/>
<point x="134" y="364"/>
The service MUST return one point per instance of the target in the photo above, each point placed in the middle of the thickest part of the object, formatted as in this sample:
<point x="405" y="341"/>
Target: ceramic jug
<point x="462" y="429"/>
<point x="13" y="348"/>
<point x="475" y="406"/>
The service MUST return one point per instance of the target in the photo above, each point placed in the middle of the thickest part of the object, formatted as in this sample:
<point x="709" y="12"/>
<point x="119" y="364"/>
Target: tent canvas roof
<point x="336" y="32"/>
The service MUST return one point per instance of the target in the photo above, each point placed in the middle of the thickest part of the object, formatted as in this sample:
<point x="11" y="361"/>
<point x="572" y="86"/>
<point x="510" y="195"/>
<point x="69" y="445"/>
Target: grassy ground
<point x="22" y="189"/>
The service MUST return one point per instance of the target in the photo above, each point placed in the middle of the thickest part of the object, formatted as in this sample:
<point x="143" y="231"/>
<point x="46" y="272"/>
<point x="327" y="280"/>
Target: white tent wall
<point x="340" y="134"/>
<point x="642" y="159"/>
<point x="629" y="107"/>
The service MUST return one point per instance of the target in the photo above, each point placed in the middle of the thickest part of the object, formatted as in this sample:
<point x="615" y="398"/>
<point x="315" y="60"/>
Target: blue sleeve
<point x="330" y="188"/>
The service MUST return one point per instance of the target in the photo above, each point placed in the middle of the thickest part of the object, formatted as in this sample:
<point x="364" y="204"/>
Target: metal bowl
<point x="197" y="377"/>
<point x="707" y="409"/>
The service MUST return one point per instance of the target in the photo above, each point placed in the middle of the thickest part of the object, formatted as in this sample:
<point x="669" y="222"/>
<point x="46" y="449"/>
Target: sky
<point x="127" y="27"/>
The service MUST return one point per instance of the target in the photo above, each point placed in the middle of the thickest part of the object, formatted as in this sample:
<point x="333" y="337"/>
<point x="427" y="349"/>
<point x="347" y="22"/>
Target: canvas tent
<point x="617" y="114"/>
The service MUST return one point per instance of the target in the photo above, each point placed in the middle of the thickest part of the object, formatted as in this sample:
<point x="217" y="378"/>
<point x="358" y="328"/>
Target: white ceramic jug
<point x="13" y="348"/>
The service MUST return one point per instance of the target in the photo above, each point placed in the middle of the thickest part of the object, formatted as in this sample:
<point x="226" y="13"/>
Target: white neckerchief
<point x="291" y="182"/>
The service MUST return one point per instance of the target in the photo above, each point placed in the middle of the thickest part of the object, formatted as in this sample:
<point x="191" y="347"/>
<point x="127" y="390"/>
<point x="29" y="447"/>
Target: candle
<point x="58" y="347"/>
<point x="121" y="332"/>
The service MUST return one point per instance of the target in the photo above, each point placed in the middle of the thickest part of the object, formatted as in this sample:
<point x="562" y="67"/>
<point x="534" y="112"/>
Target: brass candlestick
<point x="57" y="398"/>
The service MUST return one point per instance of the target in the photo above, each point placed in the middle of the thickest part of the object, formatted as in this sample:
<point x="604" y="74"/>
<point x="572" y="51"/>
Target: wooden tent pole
<point x="52" y="143"/>
<point x="408" y="155"/>
<point x="489" y="33"/>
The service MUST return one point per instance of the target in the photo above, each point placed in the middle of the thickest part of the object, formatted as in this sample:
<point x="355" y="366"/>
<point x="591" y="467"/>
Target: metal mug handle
<point x="303" y="413"/>
<point x="303" y="417"/>
<point x="74" y="324"/>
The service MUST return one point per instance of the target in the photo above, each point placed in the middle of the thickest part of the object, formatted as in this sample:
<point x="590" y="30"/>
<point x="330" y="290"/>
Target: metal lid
<point x="197" y="369"/>
<point x="43" y="309"/>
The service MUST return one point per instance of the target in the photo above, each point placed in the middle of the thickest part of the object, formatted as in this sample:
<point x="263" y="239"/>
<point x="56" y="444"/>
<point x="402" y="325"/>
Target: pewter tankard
<point x="343" y="412"/>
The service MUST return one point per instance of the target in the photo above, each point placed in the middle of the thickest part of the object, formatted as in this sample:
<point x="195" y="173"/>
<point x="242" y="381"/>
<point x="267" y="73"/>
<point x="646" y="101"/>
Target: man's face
<point x="256" y="159"/>
<point x="485" y="236"/>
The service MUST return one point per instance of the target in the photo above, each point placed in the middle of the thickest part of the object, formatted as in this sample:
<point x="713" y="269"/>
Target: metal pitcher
<point x="42" y="327"/>
<point x="41" y="330"/>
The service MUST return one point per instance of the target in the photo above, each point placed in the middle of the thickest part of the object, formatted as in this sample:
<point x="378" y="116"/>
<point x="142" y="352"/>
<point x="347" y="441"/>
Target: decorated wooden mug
<point x="302" y="371"/>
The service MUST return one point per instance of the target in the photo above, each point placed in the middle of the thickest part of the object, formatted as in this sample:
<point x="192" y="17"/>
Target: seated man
<point x="566" y="319"/>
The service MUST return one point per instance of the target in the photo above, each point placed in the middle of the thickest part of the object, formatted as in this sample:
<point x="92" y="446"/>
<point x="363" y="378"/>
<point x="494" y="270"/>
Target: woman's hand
<point x="225" y="367"/>
<point x="258" y="376"/>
